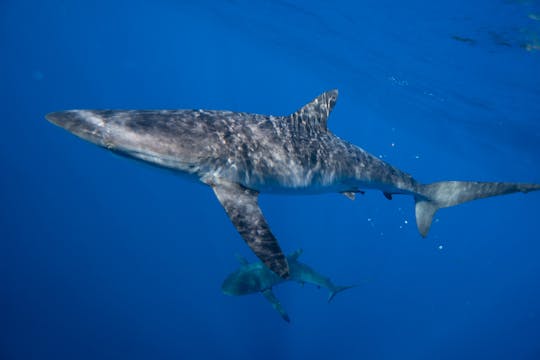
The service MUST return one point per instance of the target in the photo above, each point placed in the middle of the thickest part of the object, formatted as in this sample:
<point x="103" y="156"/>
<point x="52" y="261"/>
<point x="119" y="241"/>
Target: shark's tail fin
<point x="432" y="197"/>
<point x="337" y="289"/>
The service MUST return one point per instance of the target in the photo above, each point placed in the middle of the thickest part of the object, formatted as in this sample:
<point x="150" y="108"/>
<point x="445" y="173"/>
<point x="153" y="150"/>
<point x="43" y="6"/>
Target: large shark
<point x="257" y="278"/>
<point x="241" y="155"/>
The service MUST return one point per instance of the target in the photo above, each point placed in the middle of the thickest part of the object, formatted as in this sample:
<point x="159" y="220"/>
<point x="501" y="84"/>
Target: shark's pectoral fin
<point x="269" y="295"/>
<point x="242" y="207"/>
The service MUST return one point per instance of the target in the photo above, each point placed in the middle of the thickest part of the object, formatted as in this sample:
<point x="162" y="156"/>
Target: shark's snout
<point x="55" y="117"/>
<point x="229" y="286"/>
<point x="240" y="283"/>
<point x="83" y="123"/>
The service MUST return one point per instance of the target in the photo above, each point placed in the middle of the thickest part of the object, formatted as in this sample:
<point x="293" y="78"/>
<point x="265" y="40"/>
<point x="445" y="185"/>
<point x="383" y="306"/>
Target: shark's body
<point x="240" y="155"/>
<point x="257" y="278"/>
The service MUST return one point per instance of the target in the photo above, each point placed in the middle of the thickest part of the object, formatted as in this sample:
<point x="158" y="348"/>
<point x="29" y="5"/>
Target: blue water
<point x="105" y="258"/>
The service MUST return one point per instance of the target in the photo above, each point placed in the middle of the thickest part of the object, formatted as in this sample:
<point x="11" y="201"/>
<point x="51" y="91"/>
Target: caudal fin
<point x="443" y="194"/>
<point x="337" y="290"/>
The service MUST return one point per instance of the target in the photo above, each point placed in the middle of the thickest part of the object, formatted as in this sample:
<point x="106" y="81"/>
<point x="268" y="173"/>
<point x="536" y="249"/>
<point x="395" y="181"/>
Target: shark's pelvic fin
<point x="243" y="209"/>
<point x="432" y="197"/>
<point x="349" y="194"/>
<point x="269" y="295"/>
<point x="315" y="113"/>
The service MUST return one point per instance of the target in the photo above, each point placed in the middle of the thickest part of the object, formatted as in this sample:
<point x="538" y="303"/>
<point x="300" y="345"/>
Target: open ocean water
<point x="105" y="258"/>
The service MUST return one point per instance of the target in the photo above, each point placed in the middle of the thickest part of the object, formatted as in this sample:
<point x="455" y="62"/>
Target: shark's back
<point x="260" y="152"/>
<point x="228" y="144"/>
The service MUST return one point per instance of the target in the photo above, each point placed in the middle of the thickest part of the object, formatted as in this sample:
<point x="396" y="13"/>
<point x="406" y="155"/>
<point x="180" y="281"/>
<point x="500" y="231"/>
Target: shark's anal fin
<point x="269" y="295"/>
<point x="242" y="207"/>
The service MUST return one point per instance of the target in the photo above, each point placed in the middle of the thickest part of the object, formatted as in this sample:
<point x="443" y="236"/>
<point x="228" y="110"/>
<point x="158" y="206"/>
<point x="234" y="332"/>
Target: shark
<point x="256" y="277"/>
<point x="240" y="155"/>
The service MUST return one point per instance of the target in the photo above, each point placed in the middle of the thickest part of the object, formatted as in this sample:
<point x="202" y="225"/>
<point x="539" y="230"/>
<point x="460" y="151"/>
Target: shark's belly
<point x="297" y="178"/>
<point x="288" y="188"/>
<point x="294" y="182"/>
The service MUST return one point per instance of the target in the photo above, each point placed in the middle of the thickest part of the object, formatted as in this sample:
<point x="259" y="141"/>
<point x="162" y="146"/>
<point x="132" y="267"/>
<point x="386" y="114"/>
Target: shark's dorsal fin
<point x="242" y="260"/>
<point x="315" y="113"/>
<point x="295" y="255"/>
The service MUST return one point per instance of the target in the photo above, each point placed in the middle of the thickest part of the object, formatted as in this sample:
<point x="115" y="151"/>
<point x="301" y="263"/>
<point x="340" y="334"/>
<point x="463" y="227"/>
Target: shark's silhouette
<point x="241" y="155"/>
<point x="255" y="277"/>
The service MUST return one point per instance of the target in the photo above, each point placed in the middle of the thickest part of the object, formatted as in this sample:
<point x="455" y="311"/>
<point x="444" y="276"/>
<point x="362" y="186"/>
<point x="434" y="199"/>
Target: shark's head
<point x="122" y="132"/>
<point x="243" y="282"/>
<point x="85" y="124"/>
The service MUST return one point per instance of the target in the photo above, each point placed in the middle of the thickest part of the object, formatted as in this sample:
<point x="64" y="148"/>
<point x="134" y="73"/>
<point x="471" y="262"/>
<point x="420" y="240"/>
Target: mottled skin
<point x="293" y="153"/>
<point x="257" y="278"/>
<point x="240" y="155"/>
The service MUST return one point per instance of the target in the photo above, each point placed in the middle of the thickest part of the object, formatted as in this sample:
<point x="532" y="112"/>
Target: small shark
<point x="257" y="278"/>
<point x="241" y="155"/>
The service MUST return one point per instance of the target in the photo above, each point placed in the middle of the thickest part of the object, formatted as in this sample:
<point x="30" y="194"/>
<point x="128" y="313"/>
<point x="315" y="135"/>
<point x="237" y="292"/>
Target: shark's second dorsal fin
<point x="315" y="113"/>
<point x="295" y="255"/>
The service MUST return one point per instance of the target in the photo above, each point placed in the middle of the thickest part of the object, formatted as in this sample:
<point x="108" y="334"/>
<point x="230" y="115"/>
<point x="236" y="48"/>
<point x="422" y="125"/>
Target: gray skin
<point x="257" y="278"/>
<point x="241" y="155"/>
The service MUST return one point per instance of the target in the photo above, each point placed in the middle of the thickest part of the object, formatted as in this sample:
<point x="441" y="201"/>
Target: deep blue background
<point x="103" y="258"/>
